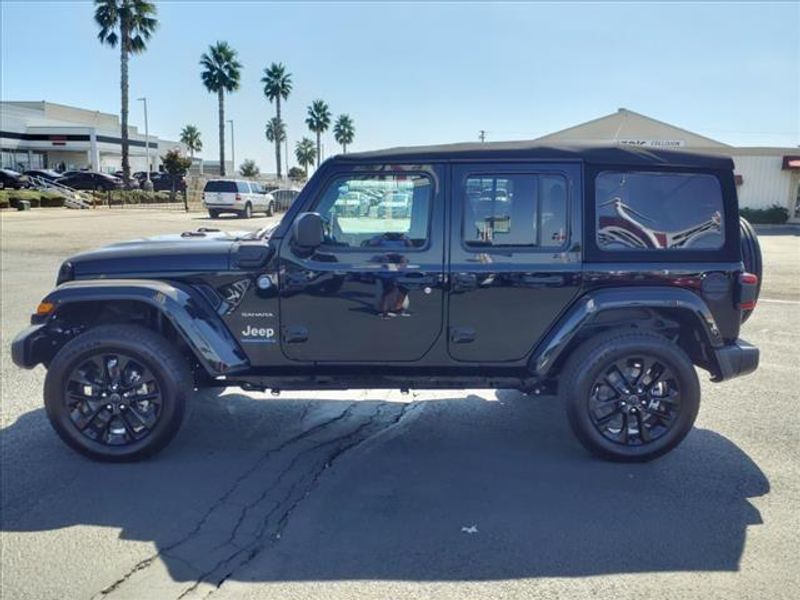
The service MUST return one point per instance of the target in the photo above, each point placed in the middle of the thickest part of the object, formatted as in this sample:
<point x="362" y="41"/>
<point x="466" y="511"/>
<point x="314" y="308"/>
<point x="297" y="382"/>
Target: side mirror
<point x="307" y="231"/>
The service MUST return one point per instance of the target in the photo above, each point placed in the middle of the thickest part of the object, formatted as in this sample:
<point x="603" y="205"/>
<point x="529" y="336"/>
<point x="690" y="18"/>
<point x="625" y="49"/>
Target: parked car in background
<point x="395" y="204"/>
<point x="11" y="180"/>
<point x="89" y="180"/>
<point x="352" y="204"/>
<point x="45" y="174"/>
<point x="236" y="196"/>
<point x="162" y="182"/>
<point x="284" y="198"/>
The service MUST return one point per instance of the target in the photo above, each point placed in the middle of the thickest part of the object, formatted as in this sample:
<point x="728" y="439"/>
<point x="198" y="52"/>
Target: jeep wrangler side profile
<point x="605" y="275"/>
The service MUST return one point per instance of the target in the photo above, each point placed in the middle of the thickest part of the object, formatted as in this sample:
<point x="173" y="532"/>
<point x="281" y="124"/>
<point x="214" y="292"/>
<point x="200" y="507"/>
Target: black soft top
<point x="603" y="155"/>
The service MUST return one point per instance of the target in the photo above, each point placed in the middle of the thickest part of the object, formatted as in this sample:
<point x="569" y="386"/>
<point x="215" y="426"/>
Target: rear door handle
<point x="464" y="281"/>
<point x="462" y="335"/>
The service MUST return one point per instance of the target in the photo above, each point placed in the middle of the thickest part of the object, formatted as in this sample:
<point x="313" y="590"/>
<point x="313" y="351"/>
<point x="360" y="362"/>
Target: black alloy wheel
<point x="631" y="395"/>
<point x="634" y="400"/>
<point x="112" y="398"/>
<point x="117" y="392"/>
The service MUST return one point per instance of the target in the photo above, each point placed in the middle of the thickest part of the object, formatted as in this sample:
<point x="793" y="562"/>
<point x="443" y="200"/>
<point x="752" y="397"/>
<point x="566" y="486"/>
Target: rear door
<point x="515" y="262"/>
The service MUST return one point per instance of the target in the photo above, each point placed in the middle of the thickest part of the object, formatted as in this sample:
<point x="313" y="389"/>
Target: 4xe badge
<point x="258" y="335"/>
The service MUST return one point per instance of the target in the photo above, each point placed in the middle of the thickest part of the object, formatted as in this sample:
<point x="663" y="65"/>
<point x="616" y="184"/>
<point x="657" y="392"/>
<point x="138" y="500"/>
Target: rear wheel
<point x="117" y="392"/>
<point x="751" y="257"/>
<point x="247" y="212"/>
<point x="631" y="396"/>
<point x="214" y="214"/>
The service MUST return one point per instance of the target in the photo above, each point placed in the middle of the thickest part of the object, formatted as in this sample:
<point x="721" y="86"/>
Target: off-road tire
<point x="588" y="362"/>
<point x="751" y="257"/>
<point x="169" y="367"/>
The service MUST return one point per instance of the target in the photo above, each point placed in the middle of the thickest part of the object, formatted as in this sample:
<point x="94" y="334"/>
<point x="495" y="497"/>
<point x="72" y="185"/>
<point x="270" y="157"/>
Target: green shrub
<point x="774" y="215"/>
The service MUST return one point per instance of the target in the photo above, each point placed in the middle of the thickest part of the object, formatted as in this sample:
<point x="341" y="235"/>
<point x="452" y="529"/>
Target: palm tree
<point x="318" y="120"/>
<point x="305" y="153"/>
<point x="129" y="23"/>
<point x="277" y="85"/>
<point x="190" y="137"/>
<point x="276" y="133"/>
<point x="344" y="131"/>
<point x="221" y="73"/>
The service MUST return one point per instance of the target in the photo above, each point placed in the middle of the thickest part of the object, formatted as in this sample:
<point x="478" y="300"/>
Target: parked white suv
<point x="237" y="196"/>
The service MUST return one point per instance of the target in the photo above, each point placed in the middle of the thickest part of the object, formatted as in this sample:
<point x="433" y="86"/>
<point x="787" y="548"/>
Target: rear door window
<point x="655" y="211"/>
<point x="221" y="186"/>
<point x="244" y="187"/>
<point x="520" y="209"/>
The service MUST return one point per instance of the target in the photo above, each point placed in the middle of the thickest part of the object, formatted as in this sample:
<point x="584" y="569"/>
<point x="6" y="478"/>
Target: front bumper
<point x="735" y="360"/>
<point x="30" y="346"/>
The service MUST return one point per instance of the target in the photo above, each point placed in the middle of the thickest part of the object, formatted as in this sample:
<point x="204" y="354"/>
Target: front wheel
<point x="631" y="396"/>
<point x="270" y="209"/>
<point x="117" y="392"/>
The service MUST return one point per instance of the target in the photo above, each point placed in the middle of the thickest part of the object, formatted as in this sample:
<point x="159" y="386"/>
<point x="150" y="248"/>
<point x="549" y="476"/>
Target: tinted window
<point x="221" y="186"/>
<point x="658" y="211"/>
<point x="244" y="187"/>
<point x="515" y="210"/>
<point x="377" y="211"/>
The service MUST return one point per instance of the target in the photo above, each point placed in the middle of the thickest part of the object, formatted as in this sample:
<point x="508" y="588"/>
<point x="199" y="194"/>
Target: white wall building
<point x="45" y="135"/>
<point x="764" y="175"/>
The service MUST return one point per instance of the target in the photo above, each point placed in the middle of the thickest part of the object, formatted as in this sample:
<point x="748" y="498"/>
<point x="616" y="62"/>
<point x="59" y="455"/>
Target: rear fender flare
<point x="587" y="308"/>
<point x="189" y="313"/>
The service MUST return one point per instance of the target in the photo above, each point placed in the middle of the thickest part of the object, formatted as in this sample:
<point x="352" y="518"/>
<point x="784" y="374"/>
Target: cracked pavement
<point x="364" y="494"/>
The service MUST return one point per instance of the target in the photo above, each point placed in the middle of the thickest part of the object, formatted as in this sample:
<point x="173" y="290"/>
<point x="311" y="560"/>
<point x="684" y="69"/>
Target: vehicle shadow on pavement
<point x="474" y="488"/>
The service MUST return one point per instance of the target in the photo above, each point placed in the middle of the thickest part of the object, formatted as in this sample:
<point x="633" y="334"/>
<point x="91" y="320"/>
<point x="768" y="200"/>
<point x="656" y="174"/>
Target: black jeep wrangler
<point x="602" y="274"/>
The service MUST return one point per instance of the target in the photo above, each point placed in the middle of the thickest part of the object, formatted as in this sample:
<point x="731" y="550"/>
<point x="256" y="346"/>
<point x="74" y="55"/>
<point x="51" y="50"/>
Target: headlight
<point x="65" y="273"/>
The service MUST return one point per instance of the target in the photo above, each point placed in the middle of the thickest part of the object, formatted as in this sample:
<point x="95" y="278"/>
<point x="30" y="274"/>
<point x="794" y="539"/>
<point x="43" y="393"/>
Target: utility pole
<point x="233" y="151"/>
<point x="148" y="184"/>
<point x="482" y="135"/>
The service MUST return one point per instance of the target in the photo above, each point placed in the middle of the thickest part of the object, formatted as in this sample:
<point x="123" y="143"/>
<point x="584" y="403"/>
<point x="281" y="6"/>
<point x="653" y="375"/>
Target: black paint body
<point x="263" y="313"/>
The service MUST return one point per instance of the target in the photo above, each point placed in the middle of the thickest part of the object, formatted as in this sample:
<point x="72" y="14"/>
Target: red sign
<point x="791" y="162"/>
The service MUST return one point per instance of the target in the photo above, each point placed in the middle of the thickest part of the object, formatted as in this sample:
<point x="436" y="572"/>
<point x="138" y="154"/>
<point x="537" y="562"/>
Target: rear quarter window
<point x="221" y="186"/>
<point x="244" y="187"/>
<point x="658" y="211"/>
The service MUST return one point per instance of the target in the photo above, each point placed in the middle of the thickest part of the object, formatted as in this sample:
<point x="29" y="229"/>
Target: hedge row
<point x="37" y="199"/>
<point x="774" y="215"/>
<point x="10" y="198"/>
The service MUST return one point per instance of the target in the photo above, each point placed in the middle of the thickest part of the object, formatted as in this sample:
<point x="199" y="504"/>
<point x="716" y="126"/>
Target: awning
<point x="791" y="162"/>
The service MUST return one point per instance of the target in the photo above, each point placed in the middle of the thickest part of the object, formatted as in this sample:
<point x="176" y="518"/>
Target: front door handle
<point x="295" y="334"/>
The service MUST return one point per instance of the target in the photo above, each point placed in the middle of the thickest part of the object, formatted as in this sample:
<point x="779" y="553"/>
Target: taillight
<point x="238" y="197"/>
<point x="748" y="290"/>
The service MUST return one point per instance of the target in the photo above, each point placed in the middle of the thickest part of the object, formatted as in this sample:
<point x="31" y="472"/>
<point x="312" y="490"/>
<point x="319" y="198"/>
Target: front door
<point x="373" y="292"/>
<point x="515" y="256"/>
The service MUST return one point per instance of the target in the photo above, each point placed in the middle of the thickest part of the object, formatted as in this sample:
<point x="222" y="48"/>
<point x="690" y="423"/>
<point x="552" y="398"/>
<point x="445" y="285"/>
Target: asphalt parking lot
<point x="456" y="494"/>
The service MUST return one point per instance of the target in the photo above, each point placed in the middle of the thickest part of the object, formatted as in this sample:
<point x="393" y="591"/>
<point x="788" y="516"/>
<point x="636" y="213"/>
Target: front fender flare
<point x="586" y="309"/>
<point x="189" y="313"/>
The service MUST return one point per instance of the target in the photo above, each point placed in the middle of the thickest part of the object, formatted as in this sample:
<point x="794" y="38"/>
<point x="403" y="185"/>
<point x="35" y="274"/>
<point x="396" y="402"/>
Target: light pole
<point x="148" y="184"/>
<point x="233" y="151"/>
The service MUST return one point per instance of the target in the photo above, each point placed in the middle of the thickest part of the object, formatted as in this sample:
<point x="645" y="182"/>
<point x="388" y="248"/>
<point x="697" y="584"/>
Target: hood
<point x="192" y="251"/>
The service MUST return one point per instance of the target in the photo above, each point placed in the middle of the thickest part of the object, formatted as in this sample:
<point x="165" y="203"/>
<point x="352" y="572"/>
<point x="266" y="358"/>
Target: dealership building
<point x="764" y="175"/>
<point x="36" y="135"/>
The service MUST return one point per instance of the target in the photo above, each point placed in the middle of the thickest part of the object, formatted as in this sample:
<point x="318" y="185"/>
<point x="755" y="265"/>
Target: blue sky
<point x="411" y="73"/>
